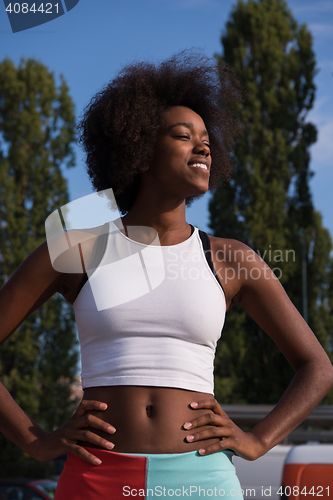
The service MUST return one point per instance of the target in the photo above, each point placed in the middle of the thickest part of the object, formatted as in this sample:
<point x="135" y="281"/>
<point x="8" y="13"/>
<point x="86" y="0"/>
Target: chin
<point x="199" y="190"/>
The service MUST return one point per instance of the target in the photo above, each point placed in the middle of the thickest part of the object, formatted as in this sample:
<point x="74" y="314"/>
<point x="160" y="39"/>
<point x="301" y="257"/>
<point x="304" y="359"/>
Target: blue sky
<point x="89" y="45"/>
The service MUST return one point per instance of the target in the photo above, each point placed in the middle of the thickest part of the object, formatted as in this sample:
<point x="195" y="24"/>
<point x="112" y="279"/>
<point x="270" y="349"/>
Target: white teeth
<point x="199" y="165"/>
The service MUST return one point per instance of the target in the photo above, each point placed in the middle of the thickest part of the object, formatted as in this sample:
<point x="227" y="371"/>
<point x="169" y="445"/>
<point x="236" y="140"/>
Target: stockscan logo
<point x="25" y="15"/>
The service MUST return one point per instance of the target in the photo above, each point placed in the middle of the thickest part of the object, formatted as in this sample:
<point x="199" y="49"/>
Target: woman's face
<point x="182" y="158"/>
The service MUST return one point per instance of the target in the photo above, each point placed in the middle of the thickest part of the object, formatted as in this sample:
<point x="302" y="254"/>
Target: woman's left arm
<point x="268" y="304"/>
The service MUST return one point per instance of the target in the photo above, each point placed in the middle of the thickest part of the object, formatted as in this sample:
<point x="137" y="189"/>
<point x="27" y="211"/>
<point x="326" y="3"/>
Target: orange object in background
<point x="308" y="472"/>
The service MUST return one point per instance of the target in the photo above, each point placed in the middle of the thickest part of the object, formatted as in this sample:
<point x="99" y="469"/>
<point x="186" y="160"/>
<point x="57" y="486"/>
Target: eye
<point x="182" y="136"/>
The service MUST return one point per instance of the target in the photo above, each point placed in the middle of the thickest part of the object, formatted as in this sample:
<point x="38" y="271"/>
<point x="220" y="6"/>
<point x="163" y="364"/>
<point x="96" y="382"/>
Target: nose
<point x="202" y="149"/>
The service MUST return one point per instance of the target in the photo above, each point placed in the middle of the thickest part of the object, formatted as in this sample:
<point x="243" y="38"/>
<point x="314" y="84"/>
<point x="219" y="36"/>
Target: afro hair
<point x="120" y="126"/>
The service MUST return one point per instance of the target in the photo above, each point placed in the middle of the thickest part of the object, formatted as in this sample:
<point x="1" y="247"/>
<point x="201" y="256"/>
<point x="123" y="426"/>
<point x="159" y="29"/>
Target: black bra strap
<point x="82" y="282"/>
<point x="208" y="254"/>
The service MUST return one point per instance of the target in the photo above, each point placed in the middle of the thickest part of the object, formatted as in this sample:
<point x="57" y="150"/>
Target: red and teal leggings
<point x="122" y="475"/>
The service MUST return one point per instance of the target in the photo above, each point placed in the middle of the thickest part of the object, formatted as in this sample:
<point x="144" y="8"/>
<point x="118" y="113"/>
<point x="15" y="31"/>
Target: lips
<point x="200" y="165"/>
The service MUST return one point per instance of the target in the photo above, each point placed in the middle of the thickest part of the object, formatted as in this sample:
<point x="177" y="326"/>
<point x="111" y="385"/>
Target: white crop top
<point x="150" y="315"/>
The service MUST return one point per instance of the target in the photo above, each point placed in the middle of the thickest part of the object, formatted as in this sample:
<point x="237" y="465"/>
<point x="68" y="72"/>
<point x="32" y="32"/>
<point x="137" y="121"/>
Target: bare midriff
<point x="148" y="419"/>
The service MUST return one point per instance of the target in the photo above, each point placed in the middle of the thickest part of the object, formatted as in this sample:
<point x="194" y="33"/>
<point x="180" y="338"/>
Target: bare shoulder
<point x="235" y="264"/>
<point x="71" y="251"/>
<point x="74" y="252"/>
<point x="233" y="251"/>
<point x="239" y="261"/>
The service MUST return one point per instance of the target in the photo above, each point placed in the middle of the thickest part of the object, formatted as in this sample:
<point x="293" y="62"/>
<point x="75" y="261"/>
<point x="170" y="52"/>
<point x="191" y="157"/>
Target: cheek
<point x="169" y="161"/>
<point x="162" y="156"/>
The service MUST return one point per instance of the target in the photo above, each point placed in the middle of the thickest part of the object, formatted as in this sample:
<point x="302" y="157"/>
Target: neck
<point x="167" y="218"/>
<point x="164" y="216"/>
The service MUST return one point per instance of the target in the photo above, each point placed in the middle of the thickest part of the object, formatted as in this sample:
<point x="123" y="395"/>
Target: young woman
<point x="159" y="136"/>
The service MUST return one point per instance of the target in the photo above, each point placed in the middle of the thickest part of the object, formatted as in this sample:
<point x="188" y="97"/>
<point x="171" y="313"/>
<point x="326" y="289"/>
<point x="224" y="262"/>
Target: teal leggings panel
<point x="190" y="475"/>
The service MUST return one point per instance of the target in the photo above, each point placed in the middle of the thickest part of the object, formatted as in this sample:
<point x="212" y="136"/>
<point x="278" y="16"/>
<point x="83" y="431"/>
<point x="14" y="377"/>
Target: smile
<point x="201" y="166"/>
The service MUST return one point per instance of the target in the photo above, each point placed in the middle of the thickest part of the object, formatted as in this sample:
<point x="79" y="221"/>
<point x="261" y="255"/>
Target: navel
<point x="149" y="410"/>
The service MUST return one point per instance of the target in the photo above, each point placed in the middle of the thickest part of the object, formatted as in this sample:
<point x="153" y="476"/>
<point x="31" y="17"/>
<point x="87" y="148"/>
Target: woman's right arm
<point x="34" y="282"/>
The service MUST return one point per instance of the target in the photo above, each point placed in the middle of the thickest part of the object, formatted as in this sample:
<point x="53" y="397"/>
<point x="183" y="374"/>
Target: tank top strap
<point x="208" y="254"/>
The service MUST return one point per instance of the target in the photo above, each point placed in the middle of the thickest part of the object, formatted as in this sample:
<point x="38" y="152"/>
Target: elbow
<point x="327" y="376"/>
<point x="321" y="372"/>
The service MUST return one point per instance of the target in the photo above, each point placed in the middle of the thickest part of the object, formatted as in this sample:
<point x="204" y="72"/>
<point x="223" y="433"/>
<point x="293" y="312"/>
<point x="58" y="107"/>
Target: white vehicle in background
<point x="288" y="472"/>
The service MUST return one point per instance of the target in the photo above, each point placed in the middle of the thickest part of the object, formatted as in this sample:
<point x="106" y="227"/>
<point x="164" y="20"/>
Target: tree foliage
<point x="38" y="362"/>
<point x="268" y="203"/>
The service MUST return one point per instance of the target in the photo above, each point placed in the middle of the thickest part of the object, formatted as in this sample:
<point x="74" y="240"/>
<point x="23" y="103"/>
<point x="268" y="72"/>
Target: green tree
<point x="268" y="203"/>
<point x="39" y="360"/>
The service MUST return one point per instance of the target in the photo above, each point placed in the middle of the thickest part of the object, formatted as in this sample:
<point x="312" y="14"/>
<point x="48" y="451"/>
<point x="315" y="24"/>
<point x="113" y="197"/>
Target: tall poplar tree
<point x="39" y="361"/>
<point x="268" y="203"/>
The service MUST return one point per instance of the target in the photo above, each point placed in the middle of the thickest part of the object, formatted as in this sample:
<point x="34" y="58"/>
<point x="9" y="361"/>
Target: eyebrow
<point x="187" y="125"/>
